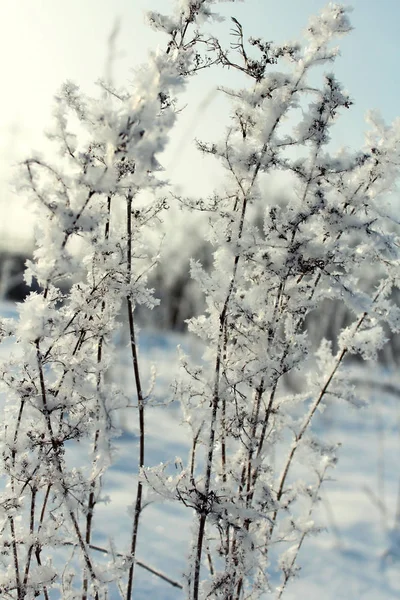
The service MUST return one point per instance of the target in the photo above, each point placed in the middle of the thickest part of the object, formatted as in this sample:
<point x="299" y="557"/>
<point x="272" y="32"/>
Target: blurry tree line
<point x="12" y="284"/>
<point x="179" y="294"/>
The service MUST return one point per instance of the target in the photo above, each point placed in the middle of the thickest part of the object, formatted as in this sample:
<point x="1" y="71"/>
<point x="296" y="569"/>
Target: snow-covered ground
<point x="357" y="556"/>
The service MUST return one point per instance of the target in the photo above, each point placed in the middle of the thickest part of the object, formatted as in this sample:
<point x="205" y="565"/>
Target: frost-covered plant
<point x="257" y="465"/>
<point x="248" y="477"/>
<point x="55" y="385"/>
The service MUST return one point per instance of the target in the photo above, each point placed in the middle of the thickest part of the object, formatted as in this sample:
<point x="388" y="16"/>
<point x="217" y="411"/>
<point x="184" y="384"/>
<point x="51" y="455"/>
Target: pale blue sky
<point x="44" y="42"/>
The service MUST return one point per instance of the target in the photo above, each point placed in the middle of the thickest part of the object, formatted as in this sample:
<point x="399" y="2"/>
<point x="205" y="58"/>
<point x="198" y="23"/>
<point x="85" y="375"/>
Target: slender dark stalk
<point x="31" y="532"/>
<point x="92" y="494"/>
<point x="76" y="219"/>
<point x="20" y="594"/>
<point x="140" y="399"/>
<point x="193" y="452"/>
<point x="89" y="517"/>
<point x="223" y="413"/>
<point x="215" y="405"/>
<point x="38" y="547"/>
<point x="223" y="439"/>
<point x="247" y="483"/>
<point x="11" y="519"/>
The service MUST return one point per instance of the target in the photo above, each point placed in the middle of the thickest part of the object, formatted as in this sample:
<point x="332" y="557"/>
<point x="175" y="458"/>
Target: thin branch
<point x="140" y="399"/>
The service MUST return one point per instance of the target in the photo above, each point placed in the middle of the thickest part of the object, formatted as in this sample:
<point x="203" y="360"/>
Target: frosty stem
<point x="203" y="509"/>
<point x="59" y="469"/>
<point x="140" y="400"/>
<point x="92" y="493"/>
